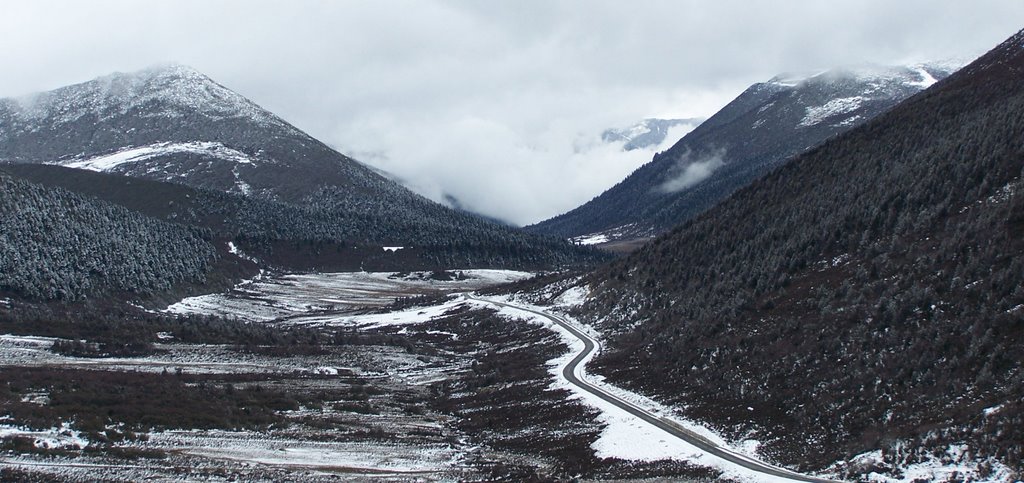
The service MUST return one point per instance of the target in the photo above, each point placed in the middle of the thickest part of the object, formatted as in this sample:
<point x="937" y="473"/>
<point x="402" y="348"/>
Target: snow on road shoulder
<point x="625" y="436"/>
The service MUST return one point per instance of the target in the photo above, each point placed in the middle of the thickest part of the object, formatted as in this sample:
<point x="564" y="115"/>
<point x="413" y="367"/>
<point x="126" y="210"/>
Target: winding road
<point x="573" y="372"/>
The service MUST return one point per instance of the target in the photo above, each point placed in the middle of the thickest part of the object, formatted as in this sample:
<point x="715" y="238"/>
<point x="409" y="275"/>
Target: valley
<point x="395" y="395"/>
<point x="818" y="277"/>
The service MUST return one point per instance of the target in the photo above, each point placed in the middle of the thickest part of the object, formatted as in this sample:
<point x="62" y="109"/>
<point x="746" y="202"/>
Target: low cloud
<point x="689" y="171"/>
<point x="498" y="171"/>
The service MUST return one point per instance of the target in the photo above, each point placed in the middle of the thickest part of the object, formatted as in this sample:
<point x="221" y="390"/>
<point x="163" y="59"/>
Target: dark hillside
<point x="867" y="295"/>
<point x="328" y="235"/>
<point x="58" y="245"/>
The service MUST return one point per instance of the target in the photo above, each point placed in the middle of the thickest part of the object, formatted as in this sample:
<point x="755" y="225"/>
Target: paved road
<point x="573" y="373"/>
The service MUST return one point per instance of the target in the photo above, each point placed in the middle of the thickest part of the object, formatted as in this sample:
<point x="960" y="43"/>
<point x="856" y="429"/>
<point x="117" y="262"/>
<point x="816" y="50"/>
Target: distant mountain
<point x="860" y="309"/>
<point x="758" y="131"/>
<point x="647" y="133"/>
<point x="175" y="124"/>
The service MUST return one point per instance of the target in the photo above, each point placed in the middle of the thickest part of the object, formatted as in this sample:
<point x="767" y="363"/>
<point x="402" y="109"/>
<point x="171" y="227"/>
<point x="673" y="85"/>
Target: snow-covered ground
<point x="132" y="154"/>
<point x="630" y="438"/>
<point x="413" y="315"/>
<point x="592" y="239"/>
<point x="305" y="295"/>
<point x="834" y="107"/>
<point x="350" y="456"/>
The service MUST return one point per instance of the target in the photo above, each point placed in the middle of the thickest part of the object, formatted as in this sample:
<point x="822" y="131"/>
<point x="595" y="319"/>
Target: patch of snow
<point x="352" y="456"/>
<point x="453" y="335"/>
<point x="392" y="249"/>
<point x="54" y="438"/>
<point x="573" y="297"/>
<point x="326" y="370"/>
<point x="26" y="340"/>
<point x="953" y="464"/>
<point x="927" y="80"/>
<point x="40" y="398"/>
<point x="240" y="185"/>
<point x="234" y="250"/>
<point x="324" y="297"/>
<point x="109" y="162"/>
<point x="592" y="239"/>
<point x="992" y="410"/>
<point x="415" y="315"/>
<point x="834" y="107"/>
<point x="849" y="121"/>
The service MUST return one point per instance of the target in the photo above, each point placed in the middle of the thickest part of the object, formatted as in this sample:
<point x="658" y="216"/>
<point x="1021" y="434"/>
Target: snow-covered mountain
<point x="173" y="123"/>
<point x="761" y="129"/>
<point x="648" y="132"/>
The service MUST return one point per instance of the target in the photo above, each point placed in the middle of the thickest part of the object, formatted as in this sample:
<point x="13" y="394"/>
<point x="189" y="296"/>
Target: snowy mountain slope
<point x="762" y="128"/>
<point x="174" y="124"/>
<point x="649" y="132"/>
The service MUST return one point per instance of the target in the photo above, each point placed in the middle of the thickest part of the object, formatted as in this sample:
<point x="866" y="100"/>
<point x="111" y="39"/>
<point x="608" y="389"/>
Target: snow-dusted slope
<point x="111" y="161"/>
<point x="180" y="91"/>
<point x="766" y="125"/>
<point x="861" y="86"/>
<point x="173" y="123"/>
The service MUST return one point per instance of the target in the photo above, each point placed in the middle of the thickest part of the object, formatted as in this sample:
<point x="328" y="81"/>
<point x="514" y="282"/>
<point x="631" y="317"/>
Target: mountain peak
<point x="918" y="75"/>
<point x="168" y="90"/>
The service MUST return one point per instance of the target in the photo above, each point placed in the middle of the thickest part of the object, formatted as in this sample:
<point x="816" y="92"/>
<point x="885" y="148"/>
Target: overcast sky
<point x="500" y="104"/>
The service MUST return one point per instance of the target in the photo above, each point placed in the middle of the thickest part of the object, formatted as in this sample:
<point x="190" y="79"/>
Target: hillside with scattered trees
<point x="763" y="128"/>
<point x="869" y="295"/>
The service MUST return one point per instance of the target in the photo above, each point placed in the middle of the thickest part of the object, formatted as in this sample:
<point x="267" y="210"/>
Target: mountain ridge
<point x="174" y="124"/>
<point x="759" y="130"/>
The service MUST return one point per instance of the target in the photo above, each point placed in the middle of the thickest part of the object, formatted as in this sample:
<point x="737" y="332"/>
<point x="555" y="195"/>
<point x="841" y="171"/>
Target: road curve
<point x="572" y="372"/>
